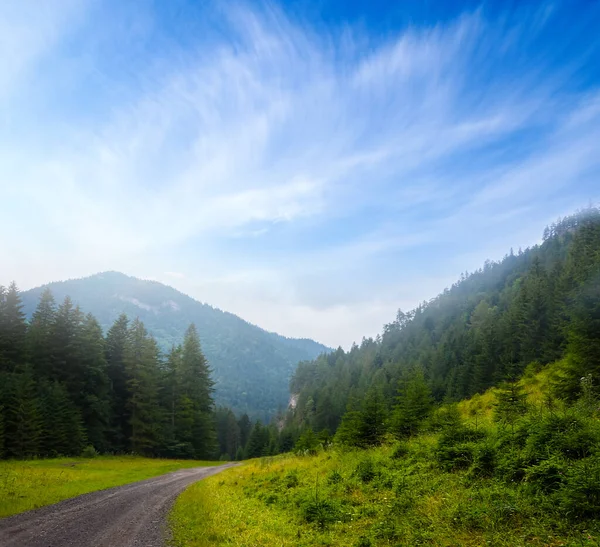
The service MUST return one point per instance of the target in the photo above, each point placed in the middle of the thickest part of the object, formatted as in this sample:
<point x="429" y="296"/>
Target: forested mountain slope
<point x="251" y="367"/>
<point x="534" y="306"/>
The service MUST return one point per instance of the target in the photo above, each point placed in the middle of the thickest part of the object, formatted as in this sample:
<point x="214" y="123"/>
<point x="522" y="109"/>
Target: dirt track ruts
<point x="125" y="516"/>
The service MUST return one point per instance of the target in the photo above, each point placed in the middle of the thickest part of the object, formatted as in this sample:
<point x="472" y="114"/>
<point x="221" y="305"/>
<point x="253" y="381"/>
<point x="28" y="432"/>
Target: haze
<point x="309" y="169"/>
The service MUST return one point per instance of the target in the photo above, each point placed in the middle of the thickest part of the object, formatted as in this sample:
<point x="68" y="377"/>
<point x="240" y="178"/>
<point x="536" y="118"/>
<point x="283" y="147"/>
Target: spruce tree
<point x="414" y="404"/>
<point x="39" y="334"/>
<point x="117" y="347"/>
<point x="22" y="418"/>
<point x="95" y="404"/>
<point x="13" y="329"/>
<point x="196" y="388"/>
<point x="142" y="368"/>
<point x="63" y="433"/>
<point x="170" y="394"/>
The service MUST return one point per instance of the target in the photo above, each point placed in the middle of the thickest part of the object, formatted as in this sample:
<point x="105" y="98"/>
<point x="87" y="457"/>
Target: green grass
<point x="534" y="483"/>
<point x="364" y="499"/>
<point x="31" y="484"/>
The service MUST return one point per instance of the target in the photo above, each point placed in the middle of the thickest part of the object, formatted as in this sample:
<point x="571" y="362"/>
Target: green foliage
<point x="511" y="403"/>
<point x="308" y="443"/>
<point x="112" y="394"/>
<point x="367" y="426"/>
<point x="365" y="470"/>
<point x="414" y="404"/>
<point x="445" y="488"/>
<point x="320" y="512"/>
<point x="89" y="452"/>
<point x="533" y="307"/>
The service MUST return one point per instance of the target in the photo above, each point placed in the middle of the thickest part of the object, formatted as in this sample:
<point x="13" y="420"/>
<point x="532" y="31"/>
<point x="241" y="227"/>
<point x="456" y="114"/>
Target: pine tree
<point x="22" y="420"/>
<point x="258" y="441"/>
<point x="511" y="403"/>
<point x="142" y="368"/>
<point x="196" y="386"/>
<point x="583" y="340"/>
<point x="170" y="394"/>
<point x="117" y="347"/>
<point x="95" y="404"/>
<point x="1" y="429"/>
<point x="228" y="433"/>
<point x="13" y="329"/>
<point x="63" y="433"/>
<point x="39" y="334"/>
<point x="414" y="404"/>
<point x="245" y="426"/>
<point x="373" y="419"/>
<point x="66" y="367"/>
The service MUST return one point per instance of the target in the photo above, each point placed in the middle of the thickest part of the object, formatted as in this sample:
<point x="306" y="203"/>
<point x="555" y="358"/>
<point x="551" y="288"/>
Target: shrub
<point x="365" y="471"/>
<point x="566" y="435"/>
<point x="363" y="541"/>
<point x="484" y="460"/>
<point x="321" y="512"/>
<point x="547" y="476"/>
<point x="400" y="451"/>
<point x="291" y="479"/>
<point x="334" y="477"/>
<point x="89" y="452"/>
<point x="580" y="495"/>
<point x="458" y="456"/>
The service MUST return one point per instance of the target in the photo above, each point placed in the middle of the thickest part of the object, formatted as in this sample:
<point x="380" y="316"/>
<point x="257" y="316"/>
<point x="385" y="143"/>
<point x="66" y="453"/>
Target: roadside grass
<point x="26" y="485"/>
<point x="533" y="483"/>
<point x="394" y="495"/>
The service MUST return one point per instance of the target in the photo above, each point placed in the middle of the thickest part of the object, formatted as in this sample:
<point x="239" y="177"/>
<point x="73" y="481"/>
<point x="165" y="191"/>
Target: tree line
<point x="529" y="309"/>
<point x="66" y="387"/>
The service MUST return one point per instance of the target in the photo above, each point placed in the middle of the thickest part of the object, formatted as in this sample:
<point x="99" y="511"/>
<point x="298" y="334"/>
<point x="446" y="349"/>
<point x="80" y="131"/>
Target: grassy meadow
<point x="470" y="483"/>
<point x="26" y="485"/>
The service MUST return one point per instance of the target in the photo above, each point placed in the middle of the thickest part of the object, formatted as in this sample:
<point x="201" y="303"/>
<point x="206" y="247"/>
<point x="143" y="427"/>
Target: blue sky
<point x="310" y="166"/>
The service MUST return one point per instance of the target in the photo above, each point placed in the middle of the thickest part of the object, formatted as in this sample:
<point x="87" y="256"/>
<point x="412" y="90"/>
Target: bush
<point x="321" y="512"/>
<point x="89" y="452"/>
<point x="511" y="465"/>
<point x="488" y="508"/>
<point x="580" y="495"/>
<point x="458" y="456"/>
<point x="547" y="476"/>
<point x="334" y="477"/>
<point x="566" y="435"/>
<point x="400" y="451"/>
<point x="291" y="479"/>
<point x="484" y="460"/>
<point x="365" y="471"/>
<point x="363" y="541"/>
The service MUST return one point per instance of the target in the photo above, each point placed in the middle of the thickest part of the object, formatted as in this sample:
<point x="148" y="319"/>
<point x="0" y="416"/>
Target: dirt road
<point x="125" y="516"/>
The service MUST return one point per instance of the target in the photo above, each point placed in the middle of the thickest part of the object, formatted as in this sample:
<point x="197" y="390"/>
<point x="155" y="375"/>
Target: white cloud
<point x="276" y="127"/>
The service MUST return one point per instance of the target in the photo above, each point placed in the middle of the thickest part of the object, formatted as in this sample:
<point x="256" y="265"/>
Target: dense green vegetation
<point x="64" y="386"/>
<point x="535" y="306"/>
<point x="251" y="367"/>
<point x="26" y="485"/>
<point x="512" y="467"/>
<point x="385" y="455"/>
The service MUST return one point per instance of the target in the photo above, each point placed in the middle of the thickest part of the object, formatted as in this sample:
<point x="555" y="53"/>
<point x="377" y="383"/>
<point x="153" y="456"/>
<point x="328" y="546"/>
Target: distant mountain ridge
<point x="252" y="367"/>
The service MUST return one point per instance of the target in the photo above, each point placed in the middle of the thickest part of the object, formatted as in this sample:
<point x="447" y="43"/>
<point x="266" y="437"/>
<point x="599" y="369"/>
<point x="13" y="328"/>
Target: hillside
<point x="475" y="474"/>
<point x="251" y="367"/>
<point x="534" y="306"/>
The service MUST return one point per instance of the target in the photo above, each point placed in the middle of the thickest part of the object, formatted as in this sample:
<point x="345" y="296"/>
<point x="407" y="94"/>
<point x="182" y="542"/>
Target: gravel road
<point x="125" y="516"/>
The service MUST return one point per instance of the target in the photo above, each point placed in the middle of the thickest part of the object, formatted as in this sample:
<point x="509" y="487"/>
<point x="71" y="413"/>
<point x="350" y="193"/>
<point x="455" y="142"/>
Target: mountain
<point x="530" y="309"/>
<point x="251" y="366"/>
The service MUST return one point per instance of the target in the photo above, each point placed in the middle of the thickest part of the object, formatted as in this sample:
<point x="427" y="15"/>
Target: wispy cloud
<point x="303" y="179"/>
